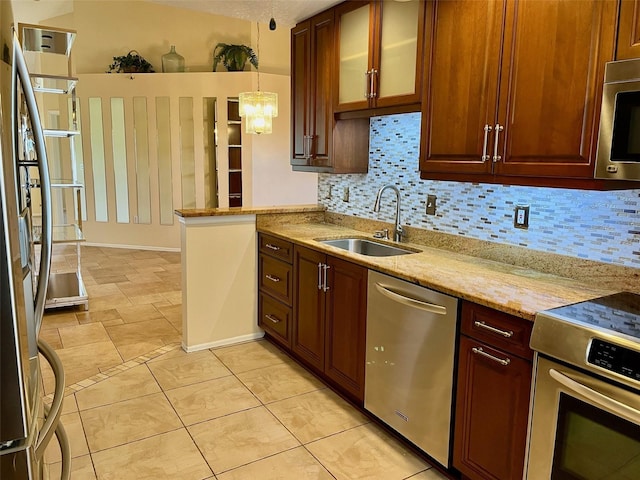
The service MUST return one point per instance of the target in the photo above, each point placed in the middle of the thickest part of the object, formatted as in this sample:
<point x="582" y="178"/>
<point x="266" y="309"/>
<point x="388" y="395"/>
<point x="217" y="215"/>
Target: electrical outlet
<point x="345" y="194"/>
<point x="521" y="216"/>
<point x="330" y="193"/>
<point x="431" y="205"/>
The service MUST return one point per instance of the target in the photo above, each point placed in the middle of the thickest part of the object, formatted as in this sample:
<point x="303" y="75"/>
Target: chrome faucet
<point x="397" y="235"/>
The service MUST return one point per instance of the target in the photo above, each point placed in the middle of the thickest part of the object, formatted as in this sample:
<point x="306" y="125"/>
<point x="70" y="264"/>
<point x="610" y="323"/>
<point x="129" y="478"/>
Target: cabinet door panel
<point x="552" y="73"/>
<point x="308" y="324"/>
<point x="275" y="318"/>
<point x="491" y="413"/>
<point x="460" y="91"/>
<point x="354" y="22"/>
<point x="346" y="307"/>
<point x="275" y="278"/>
<point x="300" y="77"/>
<point x="400" y="53"/>
<point x="629" y="30"/>
<point x="322" y="58"/>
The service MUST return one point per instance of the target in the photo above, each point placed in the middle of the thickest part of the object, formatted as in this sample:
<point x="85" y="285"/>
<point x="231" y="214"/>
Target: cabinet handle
<point x="496" y="157"/>
<point x="597" y="398"/>
<point x="405" y="299"/>
<point x="272" y="247"/>
<point x="310" y="148"/>
<point x="504" y="333"/>
<point x="487" y="129"/>
<point x="372" y="84"/>
<point x="268" y="316"/>
<point x="501" y="361"/>
<point x="366" y="84"/>
<point x="319" y="276"/>
<point x="272" y="278"/>
<point x="325" y="287"/>
<point x="306" y="151"/>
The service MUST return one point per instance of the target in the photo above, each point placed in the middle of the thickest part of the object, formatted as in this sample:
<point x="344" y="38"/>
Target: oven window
<point x="625" y="142"/>
<point x="593" y="444"/>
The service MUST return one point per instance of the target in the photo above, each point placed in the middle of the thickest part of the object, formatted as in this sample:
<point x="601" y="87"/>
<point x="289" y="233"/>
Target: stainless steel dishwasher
<point x="411" y="334"/>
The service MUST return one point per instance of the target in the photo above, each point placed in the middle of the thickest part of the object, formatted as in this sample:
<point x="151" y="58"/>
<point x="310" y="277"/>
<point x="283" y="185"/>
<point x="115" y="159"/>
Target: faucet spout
<point x="397" y="236"/>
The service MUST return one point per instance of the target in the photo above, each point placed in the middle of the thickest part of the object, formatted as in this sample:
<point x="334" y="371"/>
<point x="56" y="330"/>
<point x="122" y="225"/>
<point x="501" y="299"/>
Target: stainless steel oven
<point x="618" y="152"/>
<point x="585" y="415"/>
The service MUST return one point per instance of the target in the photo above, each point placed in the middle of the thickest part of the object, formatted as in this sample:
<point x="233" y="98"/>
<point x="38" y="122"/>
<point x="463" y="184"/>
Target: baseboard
<point x="131" y="247"/>
<point x="223" y="343"/>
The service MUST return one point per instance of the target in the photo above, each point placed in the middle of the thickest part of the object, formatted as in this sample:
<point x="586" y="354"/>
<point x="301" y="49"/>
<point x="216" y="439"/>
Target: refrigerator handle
<point x="45" y="182"/>
<point x="65" y="451"/>
<point x="53" y="414"/>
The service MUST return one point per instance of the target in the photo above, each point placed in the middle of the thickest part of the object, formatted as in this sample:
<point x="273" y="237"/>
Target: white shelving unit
<point x="65" y="288"/>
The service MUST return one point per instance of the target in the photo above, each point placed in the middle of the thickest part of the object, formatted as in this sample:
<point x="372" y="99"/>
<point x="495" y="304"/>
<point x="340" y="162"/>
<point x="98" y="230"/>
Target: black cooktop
<point x="617" y="313"/>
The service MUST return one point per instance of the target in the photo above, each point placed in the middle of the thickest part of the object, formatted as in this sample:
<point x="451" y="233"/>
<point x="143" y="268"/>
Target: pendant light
<point x="258" y="108"/>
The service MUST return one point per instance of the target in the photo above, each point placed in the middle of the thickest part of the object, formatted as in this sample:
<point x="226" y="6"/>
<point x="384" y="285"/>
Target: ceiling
<point x="286" y="12"/>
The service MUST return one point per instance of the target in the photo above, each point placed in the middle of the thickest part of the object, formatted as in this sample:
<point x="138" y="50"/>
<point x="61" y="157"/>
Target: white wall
<point x="273" y="181"/>
<point x="106" y="28"/>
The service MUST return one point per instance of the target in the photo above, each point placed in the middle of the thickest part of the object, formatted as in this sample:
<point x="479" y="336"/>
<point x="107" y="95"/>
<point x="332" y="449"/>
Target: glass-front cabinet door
<point x="355" y="54"/>
<point x="379" y="48"/>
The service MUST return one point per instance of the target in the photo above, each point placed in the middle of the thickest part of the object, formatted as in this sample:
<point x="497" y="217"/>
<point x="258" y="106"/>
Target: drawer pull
<point x="272" y="278"/>
<point x="480" y="351"/>
<point x="275" y="248"/>
<point x="272" y="318"/>
<point x="504" y="333"/>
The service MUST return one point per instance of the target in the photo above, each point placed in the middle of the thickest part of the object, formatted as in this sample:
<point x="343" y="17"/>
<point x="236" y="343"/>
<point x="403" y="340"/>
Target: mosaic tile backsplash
<point x="601" y="226"/>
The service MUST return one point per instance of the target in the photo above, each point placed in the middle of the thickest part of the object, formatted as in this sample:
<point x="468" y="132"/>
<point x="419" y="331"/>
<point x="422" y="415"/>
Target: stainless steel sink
<point x="367" y="247"/>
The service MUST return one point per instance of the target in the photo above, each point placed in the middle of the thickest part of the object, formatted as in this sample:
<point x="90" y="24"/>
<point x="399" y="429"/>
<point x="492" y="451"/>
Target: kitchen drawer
<point x="276" y="247"/>
<point x="498" y="329"/>
<point x="275" y="318"/>
<point x="276" y="278"/>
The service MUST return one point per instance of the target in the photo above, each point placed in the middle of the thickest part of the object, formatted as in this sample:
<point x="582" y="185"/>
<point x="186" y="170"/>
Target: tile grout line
<point x="112" y="371"/>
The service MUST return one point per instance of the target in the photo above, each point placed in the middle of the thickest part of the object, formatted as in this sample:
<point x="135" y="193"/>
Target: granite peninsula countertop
<point x="515" y="290"/>
<point x="215" y="212"/>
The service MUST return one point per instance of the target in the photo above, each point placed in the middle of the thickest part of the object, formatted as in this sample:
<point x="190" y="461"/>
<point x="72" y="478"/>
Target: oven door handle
<point x="604" y="401"/>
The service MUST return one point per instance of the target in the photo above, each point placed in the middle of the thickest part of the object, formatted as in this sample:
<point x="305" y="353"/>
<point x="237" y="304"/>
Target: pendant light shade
<point x="258" y="109"/>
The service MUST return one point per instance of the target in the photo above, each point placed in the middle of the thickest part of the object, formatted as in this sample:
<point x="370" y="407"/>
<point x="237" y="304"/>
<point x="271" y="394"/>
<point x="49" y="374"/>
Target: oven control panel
<point x="615" y="358"/>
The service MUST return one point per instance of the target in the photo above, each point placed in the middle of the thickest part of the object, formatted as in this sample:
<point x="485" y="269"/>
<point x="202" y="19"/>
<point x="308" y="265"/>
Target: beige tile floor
<point x="135" y="306"/>
<point x="243" y="412"/>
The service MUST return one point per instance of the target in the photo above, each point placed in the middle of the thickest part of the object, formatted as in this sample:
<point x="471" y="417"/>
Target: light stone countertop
<point x="215" y="212"/>
<point x="515" y="290"/>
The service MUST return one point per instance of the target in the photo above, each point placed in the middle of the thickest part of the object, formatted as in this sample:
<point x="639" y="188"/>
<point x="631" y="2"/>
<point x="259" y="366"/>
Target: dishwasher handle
<point x="402" y="297"/>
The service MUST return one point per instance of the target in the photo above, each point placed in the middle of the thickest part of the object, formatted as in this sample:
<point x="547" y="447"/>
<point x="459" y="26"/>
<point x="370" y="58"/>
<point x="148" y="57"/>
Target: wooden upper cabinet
<point x="629" y="30"/>
<point x="319" y="143"/>
<point x="379" y="54"/>
<point x="312" y="58"/>
<point x="514" y="87"/>
<point x="461" y="91"/>
<point x="551" y="86"/>
<point x="300" y="77"/>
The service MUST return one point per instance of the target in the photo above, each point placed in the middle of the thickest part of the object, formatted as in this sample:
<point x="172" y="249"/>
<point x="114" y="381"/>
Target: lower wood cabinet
<point x="275" y="279"/>
<point x="329" y="318"/>
<point x="492" y="406"/>
<point x="315" y="306"/>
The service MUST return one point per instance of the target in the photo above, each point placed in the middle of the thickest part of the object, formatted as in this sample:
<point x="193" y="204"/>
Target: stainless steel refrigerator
<point x="27" y="425"/>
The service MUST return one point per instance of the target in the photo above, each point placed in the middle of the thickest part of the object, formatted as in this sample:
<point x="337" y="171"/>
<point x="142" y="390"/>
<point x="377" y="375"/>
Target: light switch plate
<point x="521" y="217"/>
<point x="431" y="205"/>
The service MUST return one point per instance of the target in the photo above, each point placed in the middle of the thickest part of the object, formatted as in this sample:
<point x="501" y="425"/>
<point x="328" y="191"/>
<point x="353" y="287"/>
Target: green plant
<point x="132" y="62"/>
<point x="233" y="57"/>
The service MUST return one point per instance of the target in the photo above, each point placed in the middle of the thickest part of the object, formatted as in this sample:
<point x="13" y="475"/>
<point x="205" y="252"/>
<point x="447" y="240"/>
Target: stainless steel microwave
<point x="618" y="153"/>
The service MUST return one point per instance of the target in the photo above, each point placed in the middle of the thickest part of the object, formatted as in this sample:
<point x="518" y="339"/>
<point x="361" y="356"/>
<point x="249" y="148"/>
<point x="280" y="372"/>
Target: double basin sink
<point x="367" y="247"/>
